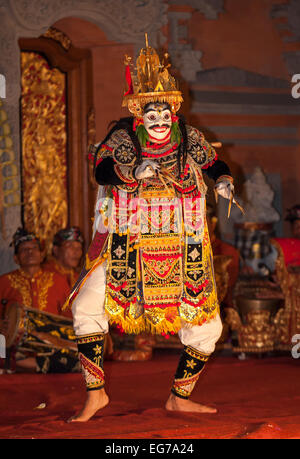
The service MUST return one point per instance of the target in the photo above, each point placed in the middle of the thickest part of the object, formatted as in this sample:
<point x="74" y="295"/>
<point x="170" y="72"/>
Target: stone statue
<point x="259" y="196"/>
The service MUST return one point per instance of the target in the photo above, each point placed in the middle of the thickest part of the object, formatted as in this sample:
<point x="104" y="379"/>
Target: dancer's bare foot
<point x="180" y="404"/>
<point x="96" y="399"/>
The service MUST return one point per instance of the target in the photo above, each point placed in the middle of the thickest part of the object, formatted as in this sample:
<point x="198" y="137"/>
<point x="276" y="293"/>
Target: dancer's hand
<point x="147" y="169"/>
<point x="225" y="188"/>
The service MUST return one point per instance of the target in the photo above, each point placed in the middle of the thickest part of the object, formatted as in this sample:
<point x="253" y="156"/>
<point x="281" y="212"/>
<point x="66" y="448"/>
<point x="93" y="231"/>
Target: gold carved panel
<point x="44" y="143"/>
<point x="9" y="182"/>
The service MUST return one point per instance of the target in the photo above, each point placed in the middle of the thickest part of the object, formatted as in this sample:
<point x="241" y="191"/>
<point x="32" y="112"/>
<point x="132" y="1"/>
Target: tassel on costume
<point x="90" y="352"/>
<point x="190" y="366"/>
<point x="175" y="133"/>
<point x="142" y="134"/>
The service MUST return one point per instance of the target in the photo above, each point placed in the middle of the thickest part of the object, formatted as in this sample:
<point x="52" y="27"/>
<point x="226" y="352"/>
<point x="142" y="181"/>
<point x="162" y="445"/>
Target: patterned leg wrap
<point x="190" y="366"/>
<point x="90" y="352"/>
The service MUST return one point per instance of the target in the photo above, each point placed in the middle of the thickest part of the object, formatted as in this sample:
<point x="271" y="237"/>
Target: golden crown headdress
<point x="150" y="83"/>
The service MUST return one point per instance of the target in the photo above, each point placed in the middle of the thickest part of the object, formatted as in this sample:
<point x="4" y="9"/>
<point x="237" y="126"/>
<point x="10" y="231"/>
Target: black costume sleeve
<point x="105" y="173"/>
<point x="218" y="169"/>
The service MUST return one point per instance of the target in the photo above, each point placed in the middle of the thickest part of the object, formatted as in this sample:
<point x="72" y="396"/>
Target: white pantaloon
<point x="89" y="316"/>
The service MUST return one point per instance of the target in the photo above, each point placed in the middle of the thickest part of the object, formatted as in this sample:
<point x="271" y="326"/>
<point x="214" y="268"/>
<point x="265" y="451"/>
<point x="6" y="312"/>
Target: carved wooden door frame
<point x="77" y="64"/>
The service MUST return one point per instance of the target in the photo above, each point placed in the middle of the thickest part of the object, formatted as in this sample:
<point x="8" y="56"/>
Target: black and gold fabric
<point x="49" y="338"/>
<point x="91" y="352"/>
<point x="190" y="366"/>
<point x="59" y="361"/>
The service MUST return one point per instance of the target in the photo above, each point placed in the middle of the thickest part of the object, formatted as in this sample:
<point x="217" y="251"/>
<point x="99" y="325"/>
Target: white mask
<point x="158" y="121"/>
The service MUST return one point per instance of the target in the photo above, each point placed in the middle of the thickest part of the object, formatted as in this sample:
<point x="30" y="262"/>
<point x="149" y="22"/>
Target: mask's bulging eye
<point x="166" y="116"/>
<point x="152" y="117"/>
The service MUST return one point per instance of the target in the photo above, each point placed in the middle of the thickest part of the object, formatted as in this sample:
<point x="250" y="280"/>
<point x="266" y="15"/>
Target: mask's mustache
<point x="158" y="125"/>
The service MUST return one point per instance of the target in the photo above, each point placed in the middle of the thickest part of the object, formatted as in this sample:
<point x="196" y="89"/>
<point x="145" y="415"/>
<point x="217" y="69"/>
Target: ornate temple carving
<point x="118" y="19"/>
<point x="9" y="174"/>
<point x="289" y="30"/>
<point x="291" y="12"/>
<point x="210" y="8"/>
<point x="43" y="147"/>
<point x="58" y="36"/>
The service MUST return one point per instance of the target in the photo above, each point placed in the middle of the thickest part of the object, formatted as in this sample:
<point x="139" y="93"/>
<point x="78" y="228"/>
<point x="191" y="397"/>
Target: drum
<point x="32" y="330"/>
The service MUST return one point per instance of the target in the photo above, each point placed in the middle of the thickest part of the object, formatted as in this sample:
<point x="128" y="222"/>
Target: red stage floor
<point x="256" y="398"/>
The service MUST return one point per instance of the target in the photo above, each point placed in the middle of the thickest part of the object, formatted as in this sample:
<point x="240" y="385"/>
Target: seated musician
<point x="33" y="287"/>
<point x="66" y="254"/>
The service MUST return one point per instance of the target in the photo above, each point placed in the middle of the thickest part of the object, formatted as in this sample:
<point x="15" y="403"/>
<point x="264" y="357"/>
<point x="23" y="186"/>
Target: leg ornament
<point x="90" y="351"/>
<point x="190" y="366"/>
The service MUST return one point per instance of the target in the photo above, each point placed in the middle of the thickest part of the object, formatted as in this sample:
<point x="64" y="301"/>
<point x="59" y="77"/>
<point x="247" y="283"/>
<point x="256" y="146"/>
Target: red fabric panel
<point x="291" y="250"/>
<point x="96" y="245"/>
